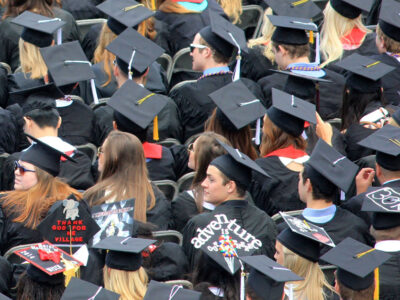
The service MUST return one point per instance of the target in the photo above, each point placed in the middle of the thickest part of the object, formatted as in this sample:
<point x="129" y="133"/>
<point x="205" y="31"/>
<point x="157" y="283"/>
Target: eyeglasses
<point x="21" y="169"/>
<point x="99" y="151"/>
<point x="194" y="46"/>
<point x="190" y="147"/>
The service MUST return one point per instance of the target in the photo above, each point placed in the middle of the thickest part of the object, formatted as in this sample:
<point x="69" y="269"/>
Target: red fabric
<point x="306" y="124"/>
<point x="354" y="38"/>
<point x="53" y="256"/>
<point x="149" y="250"/>
<point x="152" y="150"/>
<point x="69" y="153"/>
<point x="289" y="152"/>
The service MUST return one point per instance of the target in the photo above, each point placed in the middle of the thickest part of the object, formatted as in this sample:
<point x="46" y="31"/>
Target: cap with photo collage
<point x="389" y="19"/>
<point x="124" y="13"/>
<point x="291" y="8"/>
<point x="134" y="51"/>
<point x="351" y="8"/>
<point x="356" y="263"/>
<point x="365" y="73"/>
<point x="162" y="291"/>
<point x="80" y="289"/>
<point x="267" y="278"/>
<point x="303" y="238"/>
<point x="124" y="253"/>
<point x="44" y="156"/>
<point x="328" y="163"/>
<point x="386" y="142"/>
<point x="38" y="30"/>
<point x="384" y="203"/>
<point x="289" y="112"/>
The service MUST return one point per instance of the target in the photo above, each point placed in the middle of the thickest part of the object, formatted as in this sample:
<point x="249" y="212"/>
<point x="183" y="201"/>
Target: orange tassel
<point x="376" y="292"/>
<point x="312" y="37"/>
<point x="155" y="129"/>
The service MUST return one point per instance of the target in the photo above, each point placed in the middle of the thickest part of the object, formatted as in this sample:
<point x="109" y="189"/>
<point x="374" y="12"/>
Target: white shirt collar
<point x="388" y="246"/>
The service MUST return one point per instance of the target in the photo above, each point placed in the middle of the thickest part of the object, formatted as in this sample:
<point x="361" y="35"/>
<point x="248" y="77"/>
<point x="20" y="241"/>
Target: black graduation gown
<point x="160" y="214"/>
<point x="20" y="81"/>
<point x="8" y="132"/>
<point x="181" y="158"/>
<point x="389" y="278"/>
<point x="312" y="139"/>
<point x="330" y="93"/>
<point x="249" y="217"/>
<point x="3" y="88"/>
<point x="81" y="10"/>
<point x="89" y="41"/>
<point x="195" y="105"/>
<point x="159" y="168"/>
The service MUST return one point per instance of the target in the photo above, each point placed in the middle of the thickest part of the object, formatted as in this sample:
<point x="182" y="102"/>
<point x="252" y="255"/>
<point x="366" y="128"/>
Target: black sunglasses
<point x="21" y="169"/>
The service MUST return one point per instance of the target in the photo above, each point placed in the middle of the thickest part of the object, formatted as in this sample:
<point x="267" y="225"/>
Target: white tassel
<point x="317" y="54"/>
<point x="242" y="283"/>
<point x="236" y="74"/>
<point x="258" y="132"/>
<point x="130" y="65"/>
<point x="59" y="36"/>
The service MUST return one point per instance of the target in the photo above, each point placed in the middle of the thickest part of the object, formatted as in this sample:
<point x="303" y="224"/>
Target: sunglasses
<point x="21" y="169"/>
<point x="194" y="46"/>
<point x="99" y="151"/>
<point x="190" y="147"/>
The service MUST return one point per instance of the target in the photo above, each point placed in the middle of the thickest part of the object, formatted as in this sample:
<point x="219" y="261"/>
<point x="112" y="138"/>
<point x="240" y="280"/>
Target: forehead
<point x="214" y="171"/>
<point x="26" y="164"/>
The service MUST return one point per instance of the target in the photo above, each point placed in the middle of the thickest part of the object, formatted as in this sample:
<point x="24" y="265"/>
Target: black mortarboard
<point x="386" y="142"/>
<point x="389" y="19"/>
<point x="332" y="165"/>
<point x="356" y="263"/>
<point x="289" y="112"/>
<point x="46" y="91"/>
<point x="291" y="30"/>
<point x="4" y="297"/>
<point x="267" y="278"/>
<point x="124" y="253"/>
<point x="163" y="291"/>
<point x="303" y="238"/>
<point x="43" y="156"/>
<point x="365" y="73"/>
<point x="38" y="29"/>
<point x="237" y="166"/>
<point x="303" y="9"/>
<point x="79" y="289"/>
<point x="384" y="202"/>
<point x="124" y="13"/>
<point x="68" y="222"/>
<point x="237" y="106"/>
<point x="351" y="8"/>
<point x="134" y="51"/>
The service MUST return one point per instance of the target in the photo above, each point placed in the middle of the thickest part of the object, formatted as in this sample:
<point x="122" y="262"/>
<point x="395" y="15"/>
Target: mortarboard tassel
<point x="236" y="74"/>
<point x="153" y="5"/>
<point x="71" y="270"/>
<point x="59" y="36"/>
<point x="130" y="64"/>
<point x="376" y="292"/>
<point x="258" y="132"/>
<point x="155" y="129"/>
<point x="317" y="54"/>
<point x="311" y="37"/>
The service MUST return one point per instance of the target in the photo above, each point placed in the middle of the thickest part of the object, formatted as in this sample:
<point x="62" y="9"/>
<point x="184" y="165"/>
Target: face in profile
<point x="25" y="176"/>
<point x="214" y="189"/>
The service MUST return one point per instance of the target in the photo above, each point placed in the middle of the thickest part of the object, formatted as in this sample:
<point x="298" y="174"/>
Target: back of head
<point x="322" y="188"/>
<point x="31" y="60"/>
<point x="16" y="7"/>
<point x="349" y="294"/>
<point x="126" y="125"/>
<point x="42" y="110"/>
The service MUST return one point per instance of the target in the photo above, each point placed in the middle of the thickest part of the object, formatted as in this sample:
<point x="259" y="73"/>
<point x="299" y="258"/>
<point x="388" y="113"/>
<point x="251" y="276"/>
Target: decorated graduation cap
<point x="47" y="263"/>
<point x="44" y="156"/>
<point x="124" y="13"/>
<point x="237" y="166"/>
<point x="303" y="238"/>
<point x="356" y="263"/>
<point x="365" y="73"/>
<point x="325" y="161"/>
<point x="80" y="289"/>
<point x="389" y="19"/>
<point x="238" y="107"/>
<point x="124" y="253"/>
<point x="351" y="8"/>
<point x="138" y="105"/>
<point x="224" y="37"/>
<point x="267" y="278"/>
<point x="134" y="51"/>
<point x="163" y="291"/>
<point x="294" y="8"/>
<point x="68" y="222"/>
<point x="38" y="30"/>
<point x="384" y="203"/>
<point x="67" y="64"/>
<point x="386" y="142"/>
<point x="289" y="112"/>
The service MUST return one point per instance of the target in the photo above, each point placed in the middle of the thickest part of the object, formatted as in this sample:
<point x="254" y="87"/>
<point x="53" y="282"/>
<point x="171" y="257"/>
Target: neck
<point x="318" y="203"/>
<point x="121" y="80"/>
<point x="139" y="80"/>
<point x="213" y="65"/>
<point x="296" y="60"/>
<point x="47" y="131"/>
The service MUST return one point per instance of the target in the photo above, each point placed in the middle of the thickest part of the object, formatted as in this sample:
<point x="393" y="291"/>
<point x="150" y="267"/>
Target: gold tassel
<point x="153" y="5"/>
<point x="128" y="8"/>
<point x="155" y="129"/>
<point x="71" y="270"/>
<point x="365" y="252"/>
<point x="140" y="101"/>
<point x="376" y="292"/>
<point x="311" y="37"/>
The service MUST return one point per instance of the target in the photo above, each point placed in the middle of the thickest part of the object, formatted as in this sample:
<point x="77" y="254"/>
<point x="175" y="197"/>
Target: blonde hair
<point x="312" y="287"/>
<point x="233" y="8"/>
<point x="131" y="285"/>
<point x="265" y="39"/>
<point x="334" y="28"/>
<point x="31" y="60"/>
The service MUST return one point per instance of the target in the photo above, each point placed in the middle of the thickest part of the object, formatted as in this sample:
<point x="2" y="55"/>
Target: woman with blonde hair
<point x="233" y="9"/>
<point x="123" y="175"/>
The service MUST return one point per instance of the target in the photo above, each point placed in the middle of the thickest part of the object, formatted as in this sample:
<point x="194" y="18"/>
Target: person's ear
<point x="116" y="71"/>
<point x="308" y="185"/>
<point x="59" y="122"/>
<point x="115" y="125"/>
<point x="231" y="186"/>
<point x="282" y="50"/>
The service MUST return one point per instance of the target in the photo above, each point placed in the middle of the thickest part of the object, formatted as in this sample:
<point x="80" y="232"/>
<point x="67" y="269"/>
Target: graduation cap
<point x="124" y="253"/>
<point x="47" y="90"/>
<point x="124" y="13"/>
<point x="386" y="142"/>
<point x="303" y="238"/>
<point x="80" y="289"/>
<point x="267" y="278"/>
<point x="134" y="51"/>
<point x="289" y="112"/>
<point x="351" y="8"/>
<point x="163" y="291"/>
<point x="4" y="297"/>
<point x="237" y="166"/>
<point x="44" y="156"/>
<point x="389" y="19"/>
<point x="356" y="263"/>
<point x="67" y="64"/>
<point x="332" y="165"/>
<point x="365" y="72"/>
<point x="304" y="8"/>
<point x="38" y="30"/>
<point x="291" y="30"/>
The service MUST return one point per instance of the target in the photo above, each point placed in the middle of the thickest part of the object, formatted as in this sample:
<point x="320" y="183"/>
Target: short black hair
<point x="126" y="125"/>
<point x="322" y="188"/>
<point x="42" y="110"/>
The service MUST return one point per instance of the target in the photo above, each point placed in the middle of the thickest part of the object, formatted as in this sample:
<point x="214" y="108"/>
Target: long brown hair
<point x="275" y="138"/>
<point x="16" y="7"/>
<point x="31" y="206"/>
<point x="124" y="175"/>
<point x="170" y="6"/>
<point x="240" y="139"/>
